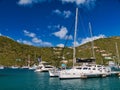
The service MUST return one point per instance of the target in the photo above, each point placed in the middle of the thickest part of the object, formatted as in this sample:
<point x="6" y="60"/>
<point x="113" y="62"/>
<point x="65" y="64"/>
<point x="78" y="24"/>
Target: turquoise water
<point x="19" y="79"/>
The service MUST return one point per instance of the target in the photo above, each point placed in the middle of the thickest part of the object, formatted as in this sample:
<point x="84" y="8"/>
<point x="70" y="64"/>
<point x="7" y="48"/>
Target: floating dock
<point x="116" y="73"/>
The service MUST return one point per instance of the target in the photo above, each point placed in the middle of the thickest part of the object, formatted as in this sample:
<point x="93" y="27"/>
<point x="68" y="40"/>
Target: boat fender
<point x="119" y="74"/>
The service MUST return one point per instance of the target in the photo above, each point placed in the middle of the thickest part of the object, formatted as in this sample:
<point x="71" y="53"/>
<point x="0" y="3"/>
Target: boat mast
<point x="28" y="60"/>
<point x="92" y="41"/>
<point x="34" y="56"/>
<point x="118" y="57"/>
<point x="74" y="50"/>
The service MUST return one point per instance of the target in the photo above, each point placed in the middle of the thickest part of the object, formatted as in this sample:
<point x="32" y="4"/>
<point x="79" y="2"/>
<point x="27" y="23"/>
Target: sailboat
<point x="28" y="63"/>
<point x="83" y="71"/>
<point x="1" y="67"/>
<point x="33" y="67"/>
<point x="118" y="57"/>
<point x="73" y="72"/>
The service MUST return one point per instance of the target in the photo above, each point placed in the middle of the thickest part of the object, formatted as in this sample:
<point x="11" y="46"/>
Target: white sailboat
<point x="84" y="70"/>
<point x="14" y="67"/>
<point x="118" y="57"/>
<point x="1" y="67"/>
<point x="28" y="63"/>
<point x="33" y="67"/>
<point x="73" y="72"/>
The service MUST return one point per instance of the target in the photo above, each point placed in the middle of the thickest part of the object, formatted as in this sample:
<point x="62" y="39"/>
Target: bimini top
<point x="88" y="60"/>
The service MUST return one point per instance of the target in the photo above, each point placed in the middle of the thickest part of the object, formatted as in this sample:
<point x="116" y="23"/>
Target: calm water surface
<point x="19" y="79"/>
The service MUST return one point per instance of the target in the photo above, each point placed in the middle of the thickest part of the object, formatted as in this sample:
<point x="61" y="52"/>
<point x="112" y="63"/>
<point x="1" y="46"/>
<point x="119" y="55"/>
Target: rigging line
<point x="82" y="23"/>
<point x="71" y="28"/>
<point x="90" y="18"/>
<point x="91" y="35"/>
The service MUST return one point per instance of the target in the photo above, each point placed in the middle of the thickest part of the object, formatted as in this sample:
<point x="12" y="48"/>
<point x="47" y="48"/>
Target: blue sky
<point x="50" y="22"/>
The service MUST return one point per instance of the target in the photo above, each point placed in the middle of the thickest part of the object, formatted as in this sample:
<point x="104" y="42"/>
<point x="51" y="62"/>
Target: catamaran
<point x="83" y="71"/>
<point x="73" y="72"/>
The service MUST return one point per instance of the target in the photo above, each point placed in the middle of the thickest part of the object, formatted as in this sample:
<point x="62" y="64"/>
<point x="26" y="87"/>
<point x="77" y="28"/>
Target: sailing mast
<point x="92" y="41"/>
<point x="28" y="60"/>
<point x="118" y="57"/>
<point x="74" y="50"/>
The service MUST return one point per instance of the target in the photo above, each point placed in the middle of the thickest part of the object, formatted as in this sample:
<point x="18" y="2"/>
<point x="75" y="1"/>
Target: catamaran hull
<point x="70" y="74"/>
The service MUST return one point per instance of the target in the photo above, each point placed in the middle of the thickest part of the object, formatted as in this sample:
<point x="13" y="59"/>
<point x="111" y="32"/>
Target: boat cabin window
<point x="78" y="68"/>
<point x="48" y="67"/>
<point x="84" y="68"/>
<point x="89" y="68"/>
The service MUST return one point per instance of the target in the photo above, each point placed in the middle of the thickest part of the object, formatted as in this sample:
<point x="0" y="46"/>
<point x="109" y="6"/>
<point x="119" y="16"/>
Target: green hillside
<point x="104" y="48"/>
<point x="14" y="53"/>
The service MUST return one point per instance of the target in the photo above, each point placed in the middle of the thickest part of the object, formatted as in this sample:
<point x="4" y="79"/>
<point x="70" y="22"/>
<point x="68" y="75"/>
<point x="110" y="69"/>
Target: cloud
<point x="54" y="27"/>
<point x="70" y="37"/>
<point x="34" y="40"/>
<point x="19" y="41"/>
<point x="30" y="2"/>
<point x="27" y="42"/>
<point x="88" y="39"/>
<point x="87" y="3"/>
<point x="75" y="1"/>
<point x="24" y="42"/>
<point x="65" y="14"/>
<point x="76" y="43"/>
<point x="25" y="2"/>
<point x="62" y="33"/>
<point x="57" y="12"/>
<point x="29" y="34"/>
<point x="0" y="34"/>
<point x="60" y="45"/>
<point x="46" y="44"/>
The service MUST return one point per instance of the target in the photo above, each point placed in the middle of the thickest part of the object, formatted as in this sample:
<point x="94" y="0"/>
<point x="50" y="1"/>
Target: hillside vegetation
<point x="14" y="53"/>
<point x="105" y="50"/>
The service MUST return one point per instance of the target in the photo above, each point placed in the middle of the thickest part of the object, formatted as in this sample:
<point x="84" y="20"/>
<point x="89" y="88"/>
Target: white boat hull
<point x="1" y="67"/>
<point x="43" y="68"/>
<point x="85" y="72"/>
<point x="54" y="73"/>
<point x="69" y="74"/>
